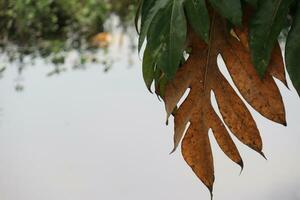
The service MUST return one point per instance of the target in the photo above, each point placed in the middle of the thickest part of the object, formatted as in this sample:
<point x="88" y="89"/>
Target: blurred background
<point x="54" y="31"/>
<point x="77" y="122"/>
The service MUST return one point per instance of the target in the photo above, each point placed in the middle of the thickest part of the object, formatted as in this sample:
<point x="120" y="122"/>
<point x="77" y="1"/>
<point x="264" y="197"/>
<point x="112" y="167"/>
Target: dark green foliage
<point x="148" y="11"/>
<point x="231" y="9"/>
<point x="150" y="56"/>
<point x="163" y="24"/>
<point x="166" y="36"/>
<point x="252" y="2"/>
<point x="198" y="17"/>
<point x="170" y="30"/>
<point x="265" y="27"/>
<point x="292" y="51"/>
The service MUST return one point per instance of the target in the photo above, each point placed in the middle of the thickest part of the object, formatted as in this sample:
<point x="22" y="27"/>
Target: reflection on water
<point x="94" y="135"/>
<point x="48" y="29"/>
<point x="104" y="58"/>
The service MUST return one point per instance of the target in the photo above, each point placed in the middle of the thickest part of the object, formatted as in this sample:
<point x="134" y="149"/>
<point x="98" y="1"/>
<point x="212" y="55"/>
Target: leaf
<point x="265" y="27"/>
<point x="201" y="74"/>
<point x="150" y="56"/>
<point x="198" y="17"/>
<point x="231" y="9"/>
<point x="263" y="95"/>
<point x="149" y="9"/>
<point x="137" y="14"/>
<point x="168" y="30"/>
<point x="252" y="2"/>
<point x="276" y="66"/>
<point x="292" y="50"/>
<point x="157" y="77"/>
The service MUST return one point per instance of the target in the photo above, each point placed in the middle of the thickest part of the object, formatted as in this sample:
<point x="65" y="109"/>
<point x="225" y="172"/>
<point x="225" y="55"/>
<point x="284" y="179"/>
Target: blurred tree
<point x="48" y="27"/>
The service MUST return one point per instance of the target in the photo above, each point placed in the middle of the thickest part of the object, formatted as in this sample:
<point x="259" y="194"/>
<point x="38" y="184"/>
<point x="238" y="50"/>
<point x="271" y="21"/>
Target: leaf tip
<point x="167" y="121"/>
<point x="211" y="192"/>
<point x="286" y="84"/>
<point x="282" y="120"/>
<point x="158" y="97"/>
<point x="261" y="68"/>
<point x="261" y="74"/>
<point x="173" y="150"/>
<point x="167" y="118"/>
<point x="149" y="89"/>
<point x="241" y="164"/>
<point x="263" y="155"/>
<point x="284" y="123"/>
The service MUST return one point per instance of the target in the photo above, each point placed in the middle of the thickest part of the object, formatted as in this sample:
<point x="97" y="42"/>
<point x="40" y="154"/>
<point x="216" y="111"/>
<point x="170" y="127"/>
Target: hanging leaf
<point x="149" y="9"/>
<point x="276" y="66"/>
<point x="253" y="59"/>
<point x="265" y="27"/>
<point x="292" y="51"/>
<point x="231" y="9"/>
<point x="150" y="56"/>
<point x="198" y="17"/>
<point x="137" y="15"/>
<point x="201" y="74"/>
<point x="168" y="31"/>
<point x="263" y="95"/>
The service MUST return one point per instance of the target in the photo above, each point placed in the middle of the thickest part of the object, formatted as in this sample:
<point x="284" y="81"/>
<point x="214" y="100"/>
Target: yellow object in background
<point x="102" y="39"/>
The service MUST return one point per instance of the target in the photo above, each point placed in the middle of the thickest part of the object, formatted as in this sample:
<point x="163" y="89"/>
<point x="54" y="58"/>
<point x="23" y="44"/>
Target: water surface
<point x="94" y="135"/>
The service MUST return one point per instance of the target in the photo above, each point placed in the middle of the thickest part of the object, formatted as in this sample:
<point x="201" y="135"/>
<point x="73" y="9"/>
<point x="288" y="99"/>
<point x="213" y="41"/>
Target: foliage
<point x="184" y="40"/>
<point x="268" y="18"/>
<point x="293" y="49"/>
<point x="45" y="27"/>
<point x="265" y="27"/>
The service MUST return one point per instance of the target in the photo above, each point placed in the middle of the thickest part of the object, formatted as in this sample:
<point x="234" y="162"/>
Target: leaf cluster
<point x="185" y="39"/>
<point x="165" y="24"/>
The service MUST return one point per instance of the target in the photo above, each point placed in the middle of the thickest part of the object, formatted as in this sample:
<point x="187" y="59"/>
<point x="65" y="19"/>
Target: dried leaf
<point x="262" y="94"/>
<point x="201" y="74"/>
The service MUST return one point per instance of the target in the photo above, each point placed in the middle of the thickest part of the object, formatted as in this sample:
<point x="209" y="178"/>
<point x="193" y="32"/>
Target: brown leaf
<point x="276" y="67"/>
<point x="201" y="74"/>
<point x="262" y="95"/>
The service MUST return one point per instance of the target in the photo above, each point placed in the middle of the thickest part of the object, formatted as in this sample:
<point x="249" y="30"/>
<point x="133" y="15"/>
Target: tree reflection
<point x="57" y="30"/>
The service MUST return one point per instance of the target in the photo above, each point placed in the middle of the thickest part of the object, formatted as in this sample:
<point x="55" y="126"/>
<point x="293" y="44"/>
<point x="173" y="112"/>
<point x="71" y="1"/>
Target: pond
<point x="91" y="135"/>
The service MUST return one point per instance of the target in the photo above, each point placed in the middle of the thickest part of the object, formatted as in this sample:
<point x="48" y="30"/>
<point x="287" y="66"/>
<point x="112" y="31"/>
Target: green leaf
<point x="252" y="2"/>
<point x="148" y="68"/>
<point x="198" y="17"/>
<point x="138" y="13"/>
<point x="151" y="54"/>
<point x="157" y="76"/>
<point x="265" y="27"/>
<point x="231" y="9"/>
<point x="292" y="51"/>
<point x="169" y="29"/>
<point x="149" y="10"/>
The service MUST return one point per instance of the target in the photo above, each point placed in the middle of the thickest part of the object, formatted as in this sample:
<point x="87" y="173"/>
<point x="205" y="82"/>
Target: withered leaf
<point x="200" y="74"/>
